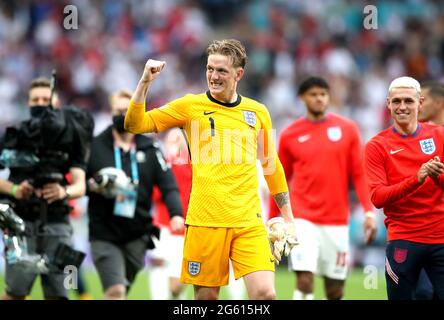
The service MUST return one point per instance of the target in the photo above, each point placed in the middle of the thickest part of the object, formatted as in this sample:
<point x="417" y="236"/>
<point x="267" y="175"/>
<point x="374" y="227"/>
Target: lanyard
<point x="134" y="169"/>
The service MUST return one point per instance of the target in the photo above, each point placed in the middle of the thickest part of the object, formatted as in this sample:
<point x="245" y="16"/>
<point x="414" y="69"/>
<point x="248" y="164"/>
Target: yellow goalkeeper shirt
<point x="224" y="140"/>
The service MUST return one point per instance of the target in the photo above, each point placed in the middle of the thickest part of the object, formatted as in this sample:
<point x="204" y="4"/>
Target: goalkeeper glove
<point x="282" y="237"/>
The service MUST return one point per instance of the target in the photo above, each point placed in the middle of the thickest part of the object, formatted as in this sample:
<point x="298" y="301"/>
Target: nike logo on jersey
<point x="207" y="113"/>
<point x="395" y="151"/>
<point x="302" y="139"/>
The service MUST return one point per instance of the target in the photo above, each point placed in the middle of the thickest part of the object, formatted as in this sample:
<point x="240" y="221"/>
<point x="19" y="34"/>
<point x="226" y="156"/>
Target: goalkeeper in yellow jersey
<point x="226" y="133"/>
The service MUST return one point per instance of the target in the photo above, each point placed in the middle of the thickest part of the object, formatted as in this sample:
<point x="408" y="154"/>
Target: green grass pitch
<point x="355" y="288"/>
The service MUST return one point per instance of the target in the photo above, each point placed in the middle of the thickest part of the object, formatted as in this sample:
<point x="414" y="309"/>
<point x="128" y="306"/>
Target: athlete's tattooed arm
<point x="281" y="199"/>
<point x="283" y="202"/>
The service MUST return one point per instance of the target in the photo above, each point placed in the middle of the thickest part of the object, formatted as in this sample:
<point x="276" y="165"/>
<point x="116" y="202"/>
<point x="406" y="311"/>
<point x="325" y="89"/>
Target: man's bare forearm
<point x="77" y="188"/>
<point x="139" y="95"/>
<point x="136" y="120"/>
<point x="281" y="199"/>
<point x="5" y="186"/>
<point x="283" y="202"/>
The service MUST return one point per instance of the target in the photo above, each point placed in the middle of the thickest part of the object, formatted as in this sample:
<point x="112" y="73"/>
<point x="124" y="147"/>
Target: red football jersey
<point x="182" y="172"/>
<point x="413" y="212"/>
<point x="319" y="158"/>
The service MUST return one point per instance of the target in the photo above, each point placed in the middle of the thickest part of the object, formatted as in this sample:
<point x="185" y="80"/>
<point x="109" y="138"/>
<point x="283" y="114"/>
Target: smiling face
<point x="222" y="77"/>
<point x="404" y="105"/>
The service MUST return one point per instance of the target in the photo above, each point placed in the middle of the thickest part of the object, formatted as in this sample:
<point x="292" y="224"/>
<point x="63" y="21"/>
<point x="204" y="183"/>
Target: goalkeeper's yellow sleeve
<point x="273" y="171"/>
<point x="276" y="181"/>
<point x="137" y="120"/>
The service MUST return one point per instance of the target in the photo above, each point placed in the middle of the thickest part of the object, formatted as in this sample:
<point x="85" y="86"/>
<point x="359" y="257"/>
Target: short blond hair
<point x="405" y="82"/>
<point x="123" y="93"/>
<point x="231" y="48"/>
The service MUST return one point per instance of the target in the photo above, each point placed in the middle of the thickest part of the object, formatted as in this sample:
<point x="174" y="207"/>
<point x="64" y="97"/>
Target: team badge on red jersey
<point x="427" y="146"/>
<point x="250" y="117"/>
<point x="193" y="268"/>
<point x="334" y="133"/>
<point x="400" y="255"/>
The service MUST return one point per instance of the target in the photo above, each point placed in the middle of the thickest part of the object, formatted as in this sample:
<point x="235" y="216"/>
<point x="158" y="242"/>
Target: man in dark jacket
<point x="39" y="191"/>
<point x="120" y="226"/>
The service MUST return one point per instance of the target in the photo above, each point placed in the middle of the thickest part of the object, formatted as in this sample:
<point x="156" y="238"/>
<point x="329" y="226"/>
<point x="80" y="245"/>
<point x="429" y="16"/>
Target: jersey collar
<point x="412" y="135"/>
<point x="326" y="118"/>
<point x="225" y="104"/>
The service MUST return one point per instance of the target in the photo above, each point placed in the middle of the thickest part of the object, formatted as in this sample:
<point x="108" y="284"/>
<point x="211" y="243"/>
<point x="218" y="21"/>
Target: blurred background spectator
<point x="286" y="41"/>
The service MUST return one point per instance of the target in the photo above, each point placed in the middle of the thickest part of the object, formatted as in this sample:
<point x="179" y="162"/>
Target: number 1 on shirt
<point x="212" y="126"/>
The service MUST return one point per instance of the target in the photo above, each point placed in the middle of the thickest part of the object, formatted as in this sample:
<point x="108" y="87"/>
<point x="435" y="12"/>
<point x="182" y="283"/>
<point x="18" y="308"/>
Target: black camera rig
<point x="16" y="252"/>
<point x="42" y="150"/>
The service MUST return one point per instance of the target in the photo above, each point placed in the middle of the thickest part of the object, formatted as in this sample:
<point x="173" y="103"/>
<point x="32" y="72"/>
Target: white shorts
<point x="323" y="250"/>
<point x="170" y="249"/>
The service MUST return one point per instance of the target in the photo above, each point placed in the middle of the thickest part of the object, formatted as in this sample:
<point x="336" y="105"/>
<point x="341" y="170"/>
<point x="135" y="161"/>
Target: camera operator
<point x="120" y="225"/>
<point x="42" y="203"/>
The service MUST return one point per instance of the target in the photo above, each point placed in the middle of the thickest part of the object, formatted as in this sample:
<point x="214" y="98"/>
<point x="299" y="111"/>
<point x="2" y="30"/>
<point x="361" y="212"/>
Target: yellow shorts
<point x="207" y="250"/>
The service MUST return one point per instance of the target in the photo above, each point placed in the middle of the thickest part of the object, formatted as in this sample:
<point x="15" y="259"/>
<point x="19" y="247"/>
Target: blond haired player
<point x="405" y="177"/>
<point x="225" y="132"/>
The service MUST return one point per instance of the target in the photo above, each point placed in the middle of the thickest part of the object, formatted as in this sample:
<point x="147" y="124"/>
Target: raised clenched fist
<point x="152" y="69"/>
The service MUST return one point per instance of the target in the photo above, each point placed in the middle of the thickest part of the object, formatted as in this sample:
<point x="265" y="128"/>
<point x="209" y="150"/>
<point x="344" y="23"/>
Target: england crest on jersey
<point x="193" y="268"/>
<point x="427" y="146"/>
<point x="250" y="117"/>
<point x="334" y="133"/>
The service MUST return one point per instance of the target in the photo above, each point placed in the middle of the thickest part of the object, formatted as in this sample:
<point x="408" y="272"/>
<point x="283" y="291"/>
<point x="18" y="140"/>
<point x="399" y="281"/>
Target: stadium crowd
<point x="286" y="41"/>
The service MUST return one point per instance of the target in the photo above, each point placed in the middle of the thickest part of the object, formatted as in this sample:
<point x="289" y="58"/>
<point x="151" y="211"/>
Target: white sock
<point x="236" y="289"/>
<point x="299" y="295"/>
<point x="159" y="283"/>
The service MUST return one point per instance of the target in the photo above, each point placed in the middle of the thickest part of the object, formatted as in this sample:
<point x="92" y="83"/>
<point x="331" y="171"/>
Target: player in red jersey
<point x="320" y="153"/>
<point x="432" y="111"/>
<point x="405" y="178"/>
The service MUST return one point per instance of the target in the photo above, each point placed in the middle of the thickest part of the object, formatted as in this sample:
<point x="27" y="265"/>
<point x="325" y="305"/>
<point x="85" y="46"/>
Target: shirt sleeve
<point x="356" y="153"/>
<point x="273" y="171"/>
<point x="90" y="166"/>
<point x="287" y="164"/>
<point x="381" y="193"/>
<point x="173" y="114"/>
